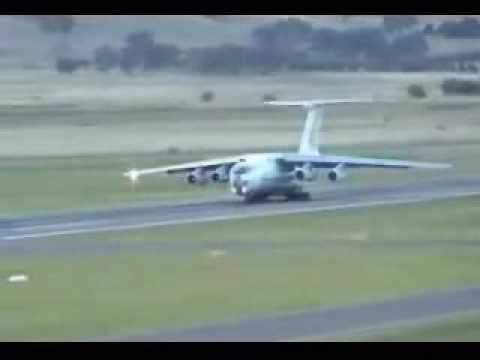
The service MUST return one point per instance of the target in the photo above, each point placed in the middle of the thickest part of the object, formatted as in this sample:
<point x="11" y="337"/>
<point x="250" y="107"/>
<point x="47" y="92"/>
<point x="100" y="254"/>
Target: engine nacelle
<point x="219" y="176"/>
<point x="196" y="178"/>
<point x="306" y="173"/>
<point x="336" y="174"/>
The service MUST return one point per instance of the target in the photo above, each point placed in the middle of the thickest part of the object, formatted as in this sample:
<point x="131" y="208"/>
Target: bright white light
<point x="134" y="176"/>
<point x="20" y="278"/>
<point x="217" y="253"/>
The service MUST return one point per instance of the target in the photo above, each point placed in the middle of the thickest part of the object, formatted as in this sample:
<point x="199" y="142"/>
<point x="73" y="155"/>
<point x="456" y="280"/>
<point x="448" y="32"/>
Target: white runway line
<point x="267" y="213"/>
<point x="66" y="225"/>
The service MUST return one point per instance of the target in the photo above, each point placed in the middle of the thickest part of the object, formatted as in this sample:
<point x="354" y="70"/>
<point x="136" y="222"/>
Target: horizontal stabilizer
<point x="314" y="103"/>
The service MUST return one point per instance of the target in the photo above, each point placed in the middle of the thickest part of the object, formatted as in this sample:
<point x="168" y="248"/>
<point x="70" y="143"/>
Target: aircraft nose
<point x="240" y="185"/>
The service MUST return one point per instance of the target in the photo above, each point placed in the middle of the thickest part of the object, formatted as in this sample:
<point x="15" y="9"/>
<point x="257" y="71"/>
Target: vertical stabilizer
<point x="310" y="142"/>
<point x="311" y="137"/>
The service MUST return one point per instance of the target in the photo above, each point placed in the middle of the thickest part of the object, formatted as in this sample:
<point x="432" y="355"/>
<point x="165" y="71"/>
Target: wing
<point x="208" y="165"/>
<point x="332" y="161"/>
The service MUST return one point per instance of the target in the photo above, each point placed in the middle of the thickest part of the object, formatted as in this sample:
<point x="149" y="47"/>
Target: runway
<point x="51" y="234"/>
<point x="326" y="323"/>
<point x="225" y="208"/>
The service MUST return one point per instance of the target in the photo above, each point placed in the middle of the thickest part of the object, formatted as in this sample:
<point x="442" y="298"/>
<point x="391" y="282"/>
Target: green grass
<point x="55" y="184"/>
<point x="278" y="264"/>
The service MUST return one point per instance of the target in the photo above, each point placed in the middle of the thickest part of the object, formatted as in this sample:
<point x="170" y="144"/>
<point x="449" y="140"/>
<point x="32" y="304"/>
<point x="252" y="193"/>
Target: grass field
<point x="262" y="266"/>
<point x="64" y="143"/>
<point x="33" y="186"/>
<point x="43" y="114"/>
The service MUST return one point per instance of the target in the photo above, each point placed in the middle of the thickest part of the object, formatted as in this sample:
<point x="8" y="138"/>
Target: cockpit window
<point x="241" y="169"/>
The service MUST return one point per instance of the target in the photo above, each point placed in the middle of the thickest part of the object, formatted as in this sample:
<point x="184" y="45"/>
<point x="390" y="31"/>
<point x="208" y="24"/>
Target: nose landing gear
<point x="252" y="198"/>
<point x="298" y="196"/>
<point x="255" y="198"/>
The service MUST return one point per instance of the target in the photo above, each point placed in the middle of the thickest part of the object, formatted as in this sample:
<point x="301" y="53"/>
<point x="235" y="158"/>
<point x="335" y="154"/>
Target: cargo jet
<point x="256" y="177"/>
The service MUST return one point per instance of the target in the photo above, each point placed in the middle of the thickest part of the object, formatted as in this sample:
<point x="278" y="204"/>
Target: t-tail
<point x="311" y="138"/>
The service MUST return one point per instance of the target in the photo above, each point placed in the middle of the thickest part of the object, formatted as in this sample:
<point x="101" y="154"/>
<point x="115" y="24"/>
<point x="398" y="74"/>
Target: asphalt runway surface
<point x="51" y="234"/>
<point x="418" y="308"/>
<point x="31" y="233"/>
<point x="225" y="208"/>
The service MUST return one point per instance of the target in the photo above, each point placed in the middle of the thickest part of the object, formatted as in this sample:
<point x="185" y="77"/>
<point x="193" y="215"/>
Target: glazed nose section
<point x="239" y="185"/>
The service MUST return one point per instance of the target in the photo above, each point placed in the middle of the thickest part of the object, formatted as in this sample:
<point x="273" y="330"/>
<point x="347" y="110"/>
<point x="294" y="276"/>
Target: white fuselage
<point x="261" y="175"/>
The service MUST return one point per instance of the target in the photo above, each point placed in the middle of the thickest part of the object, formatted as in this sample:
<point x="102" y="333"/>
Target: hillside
<point x="23" y="45"/>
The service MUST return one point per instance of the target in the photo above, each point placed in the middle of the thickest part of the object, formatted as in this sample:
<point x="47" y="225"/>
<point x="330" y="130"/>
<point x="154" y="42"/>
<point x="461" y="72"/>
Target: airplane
<point x="256" y="177"/>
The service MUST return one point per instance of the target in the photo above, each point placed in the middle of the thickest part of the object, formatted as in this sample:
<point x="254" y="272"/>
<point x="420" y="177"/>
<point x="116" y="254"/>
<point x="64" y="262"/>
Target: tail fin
<point x="310" y="142"/>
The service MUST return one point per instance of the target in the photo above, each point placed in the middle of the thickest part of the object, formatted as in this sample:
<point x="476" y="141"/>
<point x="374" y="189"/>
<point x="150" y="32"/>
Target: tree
<point x="224" y="59"/>
<point x="397" y="23"/>
<point x="461" y="87"/>
<point x="133" y="56"/>
<point x="466" y="28"/>
<point x="417" y="91"/>
<point x="69" y="66"/>
<point x="161" y="56"/>
<point x="411" y="45"/>
<point x="106" y="58"/>
<point x="429" y="29"/>
<point x="370" y="42"/>
<point x="285" y="35"/>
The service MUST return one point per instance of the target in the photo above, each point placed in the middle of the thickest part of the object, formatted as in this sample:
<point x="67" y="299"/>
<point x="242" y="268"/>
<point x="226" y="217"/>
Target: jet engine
<point x="219" y="176"/>
<point x="196" y="178"/>
<point x="305" y="173"/>
<point x="336" y="174"/>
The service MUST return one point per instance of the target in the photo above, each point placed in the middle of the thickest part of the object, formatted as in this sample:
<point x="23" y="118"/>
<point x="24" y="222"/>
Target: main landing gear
<point x="255" y="198"/>
<point x="298" y="196"/>
<point x="260" y="198"/>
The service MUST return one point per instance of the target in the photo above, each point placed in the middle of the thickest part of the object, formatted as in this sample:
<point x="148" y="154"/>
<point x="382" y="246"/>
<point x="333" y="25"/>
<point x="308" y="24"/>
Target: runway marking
<point x="65" y="225"/>
<point x="239" y="217"/>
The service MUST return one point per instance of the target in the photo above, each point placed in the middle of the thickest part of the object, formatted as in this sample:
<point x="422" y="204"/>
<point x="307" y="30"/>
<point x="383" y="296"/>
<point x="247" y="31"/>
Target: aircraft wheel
<point x="255" y="198"/>
<point x="302" y="196"/>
